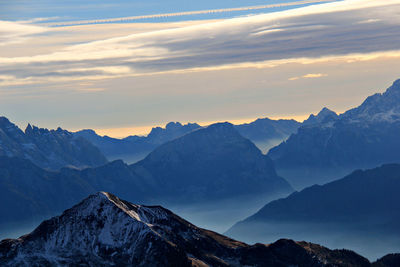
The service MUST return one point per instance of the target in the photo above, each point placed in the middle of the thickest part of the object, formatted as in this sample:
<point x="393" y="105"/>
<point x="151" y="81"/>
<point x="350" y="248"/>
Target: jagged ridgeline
<point x="332" y="146"/>
<point x="264" y="133"/>
<point x="50" y="149"/>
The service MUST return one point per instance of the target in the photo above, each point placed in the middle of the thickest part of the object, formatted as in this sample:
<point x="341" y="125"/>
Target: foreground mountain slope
<point x="104" y="230"/>
<point x="356" y="212"/>
<point x="388" y="260"/>
<point x="50" y="149"/>
<point x="363" y="137"/>
<point x="211" y="163"/>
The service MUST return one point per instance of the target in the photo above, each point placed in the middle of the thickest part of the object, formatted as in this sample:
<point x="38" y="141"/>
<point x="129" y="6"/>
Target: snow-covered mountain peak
<point x="102" y="231"/>
<point x="378" y="107"/>
<point x="144" y="214"/>
<point x="99" y="202"/>
<point x="101" y="225"/>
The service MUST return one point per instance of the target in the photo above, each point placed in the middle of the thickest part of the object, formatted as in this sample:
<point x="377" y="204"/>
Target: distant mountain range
<point x="104" y="230"/>
<point x="134" y="148"/>
<point x="213" y="174"/>
<point x="208" y="165"/>
<point x="50" y="149"/>
<point x="265" y="133"/>
<point x="327" y="146"/>
<point x="360" y="212"/>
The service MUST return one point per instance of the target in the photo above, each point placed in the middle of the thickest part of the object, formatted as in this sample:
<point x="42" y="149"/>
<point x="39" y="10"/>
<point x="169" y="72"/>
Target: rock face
<point x="209" y="165"/>
<point x="134" y="148"/>
<point x="363" y="137"/>
<point x="51" y="149"/>
<point x="104" y="230"/>
<point x="266" y="133"/>
<point x="352" y="212"/>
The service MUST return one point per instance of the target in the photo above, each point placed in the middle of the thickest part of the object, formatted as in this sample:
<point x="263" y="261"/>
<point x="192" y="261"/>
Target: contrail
<point x="188" y="13"/>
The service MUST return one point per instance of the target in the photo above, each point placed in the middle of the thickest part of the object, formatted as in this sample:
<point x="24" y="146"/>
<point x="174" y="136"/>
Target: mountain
<point x="134" y="148"/>
<point x="388" y="260"/>
<point x="210" y="163"/>
<point x="50" y="149"/>
<point x="104" y="230"/>
<point x="32" y="193"/>
<point x="359" y="212"/>
<point x="266" y="133"/>
<point x="324" y="116"/>
<point x="363" y="137"/>
<point x="212" y="172"/>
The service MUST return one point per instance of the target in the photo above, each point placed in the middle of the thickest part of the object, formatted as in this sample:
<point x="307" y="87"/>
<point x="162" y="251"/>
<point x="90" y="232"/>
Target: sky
<point x="77" y="66"/>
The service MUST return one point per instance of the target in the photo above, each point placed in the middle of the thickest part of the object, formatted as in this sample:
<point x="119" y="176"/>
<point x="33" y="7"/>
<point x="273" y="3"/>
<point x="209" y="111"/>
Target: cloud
<point x="309" y="34"/>
<point x="308" y="76"/>
<point x="191" y="13"/>
<point x="12" y="32"/>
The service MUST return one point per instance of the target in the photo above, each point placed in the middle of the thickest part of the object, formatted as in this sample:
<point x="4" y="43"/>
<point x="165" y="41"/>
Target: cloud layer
<point x="191" y="13"/>
<point x="333" y="29"/>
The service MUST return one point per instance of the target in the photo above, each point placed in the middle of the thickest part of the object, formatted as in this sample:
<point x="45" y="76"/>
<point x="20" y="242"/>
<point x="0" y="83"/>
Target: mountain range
<point x="50" y="149"/>
<point x="213" y="174"/>
<point x="359" y="211"/>
<point x="264" y="133"/>
<point x="134" y="148"/>
<point x="207" y="166"/>
<point x="103" y="230"/>
<point x="363" y="137"/>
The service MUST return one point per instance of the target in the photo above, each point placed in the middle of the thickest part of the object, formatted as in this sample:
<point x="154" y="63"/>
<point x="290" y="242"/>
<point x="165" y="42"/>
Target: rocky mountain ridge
<point x="363" y="137"/>
<point x="50" y="149"/>
<point x="104" y="230"/>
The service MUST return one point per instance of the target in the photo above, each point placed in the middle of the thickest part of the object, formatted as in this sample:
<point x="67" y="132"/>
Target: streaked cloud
<point x="310" y="34"/>
<point x="12" y="32"/>
<point x="191" y="13"/>
<point x="308" y="76"/>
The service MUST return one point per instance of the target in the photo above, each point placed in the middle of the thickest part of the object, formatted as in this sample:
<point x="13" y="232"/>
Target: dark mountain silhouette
<point x="134" y="148"/>
<point x="388" y="260"/>
<point x="363" y="137"/>
<point x="104" y="230"/>
<point x="50" y="149"/>
<point x="352" y="212"/>
<point x="209" y="165"/>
